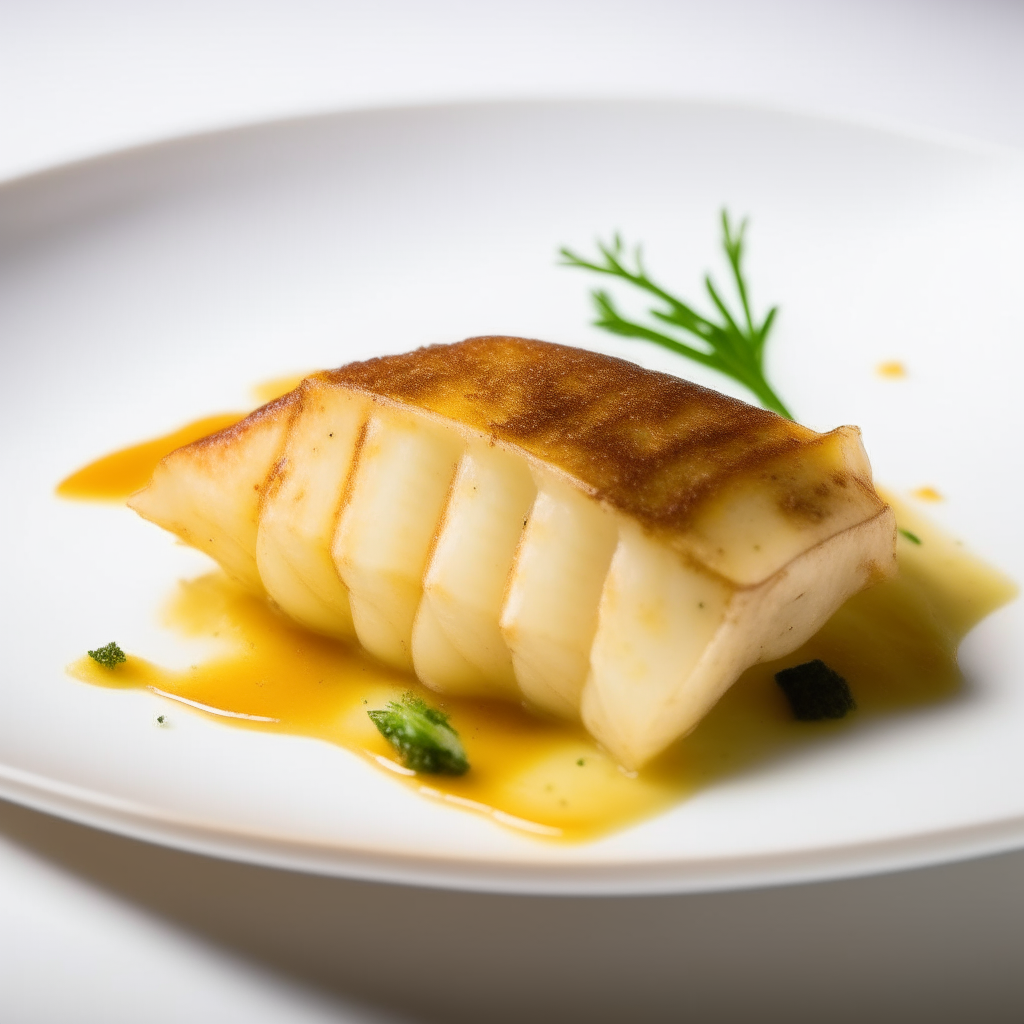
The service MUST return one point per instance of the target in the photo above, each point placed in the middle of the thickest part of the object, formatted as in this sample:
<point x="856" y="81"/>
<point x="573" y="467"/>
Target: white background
<point x="96" y="928"/>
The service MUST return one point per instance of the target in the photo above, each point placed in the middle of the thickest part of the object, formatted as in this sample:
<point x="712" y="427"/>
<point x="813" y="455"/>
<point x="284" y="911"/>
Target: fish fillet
<point x="511" y="518"/>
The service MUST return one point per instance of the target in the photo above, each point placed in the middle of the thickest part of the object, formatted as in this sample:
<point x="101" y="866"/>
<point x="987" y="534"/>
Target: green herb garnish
<point x="735" y="346"/>
<point x="109" y="656"/>
<point x="912" y="537"/>
<point x="422" y="736"/>
<point x="815" y="691"/>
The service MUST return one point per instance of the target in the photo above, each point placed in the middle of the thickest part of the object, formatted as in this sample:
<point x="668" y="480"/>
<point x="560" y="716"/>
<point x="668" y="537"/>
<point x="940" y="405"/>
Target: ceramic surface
<point x="144" y="289"/>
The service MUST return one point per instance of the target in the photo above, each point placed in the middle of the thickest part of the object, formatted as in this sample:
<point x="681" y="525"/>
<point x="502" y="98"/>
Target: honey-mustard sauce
<point x="120" y="474"/>
<point x="895" y="643"/>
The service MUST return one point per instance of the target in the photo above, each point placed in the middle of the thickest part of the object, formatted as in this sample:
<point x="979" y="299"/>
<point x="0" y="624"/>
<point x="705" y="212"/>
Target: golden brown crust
<point x="237" y="431"/>
<point x="649" y="444"/>
<point x="657" y="448"/>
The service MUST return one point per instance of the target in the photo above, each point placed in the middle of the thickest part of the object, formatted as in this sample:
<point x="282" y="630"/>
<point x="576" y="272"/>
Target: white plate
<point x="152" y="286"/>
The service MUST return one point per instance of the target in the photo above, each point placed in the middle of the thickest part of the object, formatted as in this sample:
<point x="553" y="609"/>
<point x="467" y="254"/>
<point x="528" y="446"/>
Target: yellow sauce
<point x="927" y="494"/>
<point x="120" y="474"/>
<point x="895" y="643"/>
<point x="117" y="476"/>
<point x="893" y="370"/>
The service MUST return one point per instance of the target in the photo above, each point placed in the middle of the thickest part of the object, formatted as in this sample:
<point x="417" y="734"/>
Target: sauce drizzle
<point x="895" y="643"/>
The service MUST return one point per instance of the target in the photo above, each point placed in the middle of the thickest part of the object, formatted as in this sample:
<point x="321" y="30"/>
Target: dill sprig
<point x="735" y="346"/>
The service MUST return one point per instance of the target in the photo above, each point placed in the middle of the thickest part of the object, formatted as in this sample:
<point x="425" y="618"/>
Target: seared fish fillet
<point x="516" y="519"/>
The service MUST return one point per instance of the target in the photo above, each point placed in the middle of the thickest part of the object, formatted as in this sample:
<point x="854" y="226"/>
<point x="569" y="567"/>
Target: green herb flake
<point x="581" y="762"/>
<point x="815" y="692"/>
<point x="422" y="736"/>
<point x="912" y="537"/>
<point x="110" y="656"/>
<point x="732" y="343"/>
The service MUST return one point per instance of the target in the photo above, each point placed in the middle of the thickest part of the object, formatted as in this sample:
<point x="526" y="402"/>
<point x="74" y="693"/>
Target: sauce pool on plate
<point x="894" y="643"/>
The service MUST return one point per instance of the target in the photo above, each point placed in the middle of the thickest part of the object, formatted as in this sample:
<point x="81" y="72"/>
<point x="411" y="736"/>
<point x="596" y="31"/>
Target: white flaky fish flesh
<point x="510" y="518"/>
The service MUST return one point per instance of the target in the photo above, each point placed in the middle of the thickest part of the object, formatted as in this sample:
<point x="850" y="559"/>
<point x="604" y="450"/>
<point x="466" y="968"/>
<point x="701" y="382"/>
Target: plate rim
<point x="513" y="876"/>
<point x="907" y="132"/>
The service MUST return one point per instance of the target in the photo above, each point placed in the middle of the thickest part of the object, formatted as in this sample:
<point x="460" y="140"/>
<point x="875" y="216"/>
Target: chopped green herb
<point x="912" y="537"/>
<point x="815" y="691"/>
<point x="108" y="656"/>
<point x="581" y="762"/>
<point x="161" y="719"/>
<point x="733" y="346"/>
<point x="422" y="736"/>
